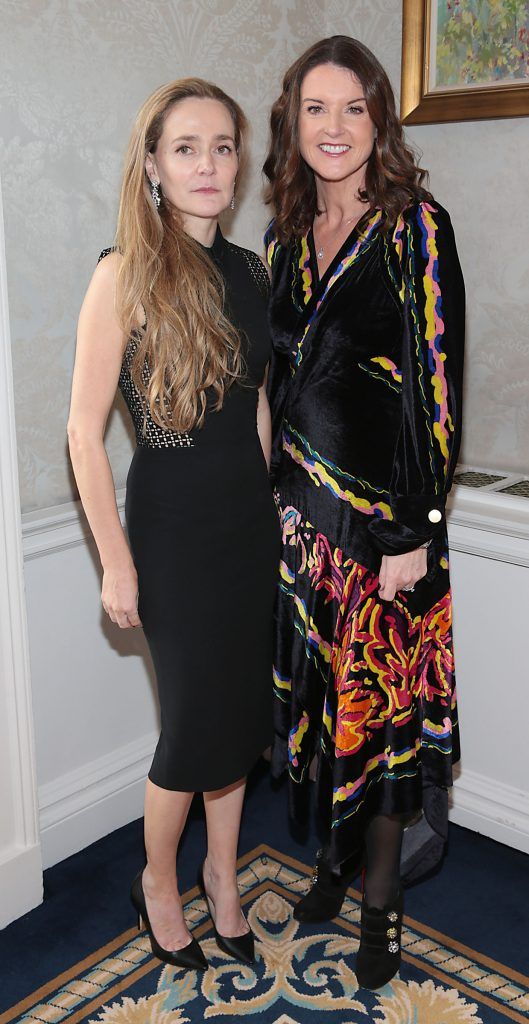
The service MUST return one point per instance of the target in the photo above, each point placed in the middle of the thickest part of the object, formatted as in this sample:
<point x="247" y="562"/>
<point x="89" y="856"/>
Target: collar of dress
<point x="359" y="240"/>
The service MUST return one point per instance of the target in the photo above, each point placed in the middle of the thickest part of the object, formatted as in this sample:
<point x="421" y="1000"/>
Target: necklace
<point x="320" y="253"/>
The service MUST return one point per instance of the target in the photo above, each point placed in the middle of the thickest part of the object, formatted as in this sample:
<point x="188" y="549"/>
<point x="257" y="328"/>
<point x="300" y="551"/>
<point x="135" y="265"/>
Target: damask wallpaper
<point x="72" y="76"/>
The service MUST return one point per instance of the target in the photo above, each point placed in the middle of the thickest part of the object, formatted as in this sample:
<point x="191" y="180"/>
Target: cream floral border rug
<point x="301" y="975"/>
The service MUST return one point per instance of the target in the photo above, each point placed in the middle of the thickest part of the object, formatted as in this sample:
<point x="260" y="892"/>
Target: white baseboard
<point x="491" y="808"/>
<point x="20" y="882"/>
<point x="88" y="803"/>
<point x="85" y="805"/>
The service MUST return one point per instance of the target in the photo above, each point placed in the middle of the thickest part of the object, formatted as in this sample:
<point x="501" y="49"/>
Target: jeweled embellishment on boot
<point x="324" y="899"/>
<point x="392" y="933"/>
<point x="378" y="957"/>
<point x="314" y="878"/>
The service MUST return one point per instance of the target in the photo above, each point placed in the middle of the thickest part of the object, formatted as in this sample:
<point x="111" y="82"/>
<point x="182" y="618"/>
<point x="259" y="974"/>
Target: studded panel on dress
<point x="257" y="268"/>
<point x="148" y="433"/>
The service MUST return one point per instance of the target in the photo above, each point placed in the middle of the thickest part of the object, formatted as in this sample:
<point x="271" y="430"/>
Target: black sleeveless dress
<point x="204" y="535"/>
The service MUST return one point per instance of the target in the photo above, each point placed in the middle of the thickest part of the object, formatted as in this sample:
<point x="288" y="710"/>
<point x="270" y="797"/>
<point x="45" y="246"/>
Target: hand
<point x="401" y="572"/>
<point x="119" y="596"/>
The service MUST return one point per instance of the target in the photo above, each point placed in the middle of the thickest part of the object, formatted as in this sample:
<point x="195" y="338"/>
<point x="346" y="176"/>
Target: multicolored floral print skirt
<point x="366" y="685"/>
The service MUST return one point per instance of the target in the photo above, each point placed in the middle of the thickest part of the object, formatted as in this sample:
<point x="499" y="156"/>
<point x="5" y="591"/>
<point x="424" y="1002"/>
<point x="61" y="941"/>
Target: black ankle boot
<point x="327" y="893"/>
<point x="378" y="958"/>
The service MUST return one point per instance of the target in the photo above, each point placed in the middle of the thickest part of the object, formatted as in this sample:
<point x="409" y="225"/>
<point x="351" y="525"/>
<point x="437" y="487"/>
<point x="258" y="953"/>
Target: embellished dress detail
<point x="204" y="536"/>
<point x="365" y="389"/>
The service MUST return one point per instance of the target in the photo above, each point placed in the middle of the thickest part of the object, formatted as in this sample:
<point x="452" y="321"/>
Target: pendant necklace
<point x="321" y="251"/>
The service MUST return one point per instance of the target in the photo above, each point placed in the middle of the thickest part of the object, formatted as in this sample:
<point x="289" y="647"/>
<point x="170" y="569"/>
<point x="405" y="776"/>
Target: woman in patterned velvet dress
<point x="367" y="320"/>
<point x="177" y="316"/>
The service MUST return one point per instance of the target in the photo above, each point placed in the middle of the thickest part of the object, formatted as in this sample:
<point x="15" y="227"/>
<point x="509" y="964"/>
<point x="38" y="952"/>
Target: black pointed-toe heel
<point x="378" y="957"/>
<point x="324" y="899"/>
<point x="190" y="957"/>
<point x="240" y="947"/>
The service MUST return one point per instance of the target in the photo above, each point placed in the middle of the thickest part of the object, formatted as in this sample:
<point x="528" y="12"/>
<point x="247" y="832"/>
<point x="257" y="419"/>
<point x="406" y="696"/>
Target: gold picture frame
<point x="420" y="104"/>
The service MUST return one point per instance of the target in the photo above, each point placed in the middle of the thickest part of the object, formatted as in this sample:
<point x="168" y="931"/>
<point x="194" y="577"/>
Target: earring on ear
<point x="232" y="202"/>
<point x="155" y="193"/>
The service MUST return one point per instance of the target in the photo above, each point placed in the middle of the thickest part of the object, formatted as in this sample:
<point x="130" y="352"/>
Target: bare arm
<point x="100" y="346"/>
<point x="264" y="423"/>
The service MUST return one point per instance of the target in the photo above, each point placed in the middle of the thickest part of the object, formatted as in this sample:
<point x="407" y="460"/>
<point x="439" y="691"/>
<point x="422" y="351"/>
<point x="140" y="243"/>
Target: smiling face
<point x="336" y="133"/>
<point x="195" y="160"/>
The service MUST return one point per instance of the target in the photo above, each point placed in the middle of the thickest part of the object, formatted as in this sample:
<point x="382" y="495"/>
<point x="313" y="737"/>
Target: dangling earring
<point x="155" y="193"/>
<point x="232" y="202"/>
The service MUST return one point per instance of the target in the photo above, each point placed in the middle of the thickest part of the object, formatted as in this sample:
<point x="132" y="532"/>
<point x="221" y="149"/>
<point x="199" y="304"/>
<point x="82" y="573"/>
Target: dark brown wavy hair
<point x="393" y="180"/>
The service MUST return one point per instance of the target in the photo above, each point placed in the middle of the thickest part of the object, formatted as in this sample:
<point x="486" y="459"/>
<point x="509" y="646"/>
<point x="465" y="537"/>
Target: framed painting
<point x="463" y="60"/>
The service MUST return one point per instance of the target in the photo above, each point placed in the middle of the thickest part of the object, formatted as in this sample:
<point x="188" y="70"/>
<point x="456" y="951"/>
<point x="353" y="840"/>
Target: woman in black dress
<point x="176" y="316"/>
<point x="367" y="319"/>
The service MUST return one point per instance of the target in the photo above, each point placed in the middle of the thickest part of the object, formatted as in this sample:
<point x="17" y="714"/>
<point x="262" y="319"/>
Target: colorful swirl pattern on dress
<point x="271" y="242"/>
<point x="304" y="269"/>
<point x="387" y="372"/>
<point x="435" y="329"/>
<point x="323" y="472"/>
<point x="361" y="241"/>
<point x="426" y="307"/>
<point x="386" y="681"/>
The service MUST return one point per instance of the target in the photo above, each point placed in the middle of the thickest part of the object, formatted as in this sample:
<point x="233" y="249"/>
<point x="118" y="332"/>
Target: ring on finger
<point x="409" y="589"/>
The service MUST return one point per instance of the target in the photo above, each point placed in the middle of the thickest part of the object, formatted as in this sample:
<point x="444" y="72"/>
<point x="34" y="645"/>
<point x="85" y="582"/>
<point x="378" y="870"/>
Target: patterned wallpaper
<point x="72" y="77"/>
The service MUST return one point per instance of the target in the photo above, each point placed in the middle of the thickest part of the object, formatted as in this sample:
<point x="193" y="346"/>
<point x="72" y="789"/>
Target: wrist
<point x="118" y="566"/>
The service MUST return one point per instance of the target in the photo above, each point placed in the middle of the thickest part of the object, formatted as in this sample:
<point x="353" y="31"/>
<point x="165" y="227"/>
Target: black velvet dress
<point x="365" y="388"/>
<point x="204" y="535"/>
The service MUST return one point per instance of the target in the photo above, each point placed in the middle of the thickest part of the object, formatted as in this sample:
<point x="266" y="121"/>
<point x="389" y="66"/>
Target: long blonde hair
<point x="187" y="343"/>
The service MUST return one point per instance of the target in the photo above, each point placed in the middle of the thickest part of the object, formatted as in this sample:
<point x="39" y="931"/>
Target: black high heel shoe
<point x="190" y="957"/>
<point x="324" y="899"/>
<point x="378" y="957"/>
<point x="241" y="947"/>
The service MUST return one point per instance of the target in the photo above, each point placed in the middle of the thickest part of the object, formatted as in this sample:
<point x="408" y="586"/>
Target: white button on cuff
<point x="434" y="515"/>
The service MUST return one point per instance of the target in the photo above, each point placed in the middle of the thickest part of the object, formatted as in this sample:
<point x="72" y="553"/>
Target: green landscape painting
<point x="481" y="43"/>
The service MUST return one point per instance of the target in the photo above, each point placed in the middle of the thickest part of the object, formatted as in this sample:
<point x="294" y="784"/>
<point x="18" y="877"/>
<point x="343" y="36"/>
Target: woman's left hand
<point x="401" y="572"/>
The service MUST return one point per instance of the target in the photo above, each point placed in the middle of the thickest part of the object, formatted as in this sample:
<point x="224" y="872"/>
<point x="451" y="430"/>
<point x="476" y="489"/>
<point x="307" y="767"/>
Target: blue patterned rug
<point x="301" y="976"/>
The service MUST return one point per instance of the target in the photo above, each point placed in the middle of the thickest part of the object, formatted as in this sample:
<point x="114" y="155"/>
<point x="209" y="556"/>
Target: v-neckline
<point x="321" y="282"/>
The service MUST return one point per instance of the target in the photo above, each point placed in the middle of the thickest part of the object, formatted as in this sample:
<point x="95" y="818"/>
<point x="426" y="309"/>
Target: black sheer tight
<point x="383" y="843"/>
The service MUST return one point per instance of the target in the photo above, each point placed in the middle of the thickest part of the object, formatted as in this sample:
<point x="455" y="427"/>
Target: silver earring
<point x="232" y="202"/>
<point x="155" y="193"/>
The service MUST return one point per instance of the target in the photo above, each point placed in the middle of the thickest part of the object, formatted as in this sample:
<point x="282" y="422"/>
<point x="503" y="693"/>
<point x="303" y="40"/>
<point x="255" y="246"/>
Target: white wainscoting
<point x="96" y="719"/>
<point x="489" y="541"/>
<point x="88" y="802"/>
<point x="20" y="855"/>
<point x="95" y="712"/>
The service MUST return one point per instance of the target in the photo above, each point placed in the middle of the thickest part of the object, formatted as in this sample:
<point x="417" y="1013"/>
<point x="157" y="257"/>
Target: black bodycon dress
<point x="204" y="535"/>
